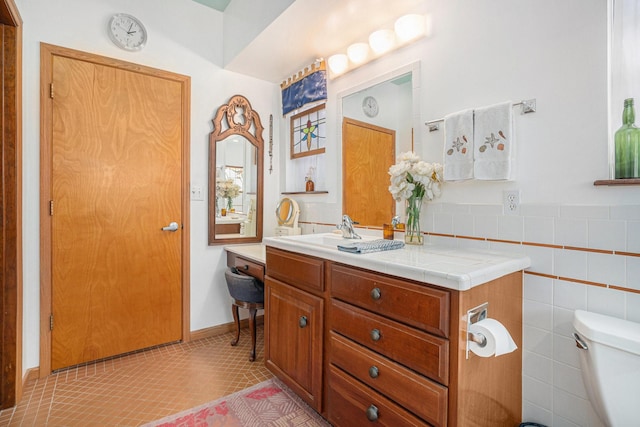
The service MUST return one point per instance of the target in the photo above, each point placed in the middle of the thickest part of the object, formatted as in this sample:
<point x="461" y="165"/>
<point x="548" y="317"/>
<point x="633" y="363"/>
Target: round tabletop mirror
<point x="287" y="212"/>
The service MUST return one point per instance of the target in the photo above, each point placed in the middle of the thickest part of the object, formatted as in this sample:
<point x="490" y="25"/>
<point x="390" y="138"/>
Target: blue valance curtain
<point x="307" y="86"/>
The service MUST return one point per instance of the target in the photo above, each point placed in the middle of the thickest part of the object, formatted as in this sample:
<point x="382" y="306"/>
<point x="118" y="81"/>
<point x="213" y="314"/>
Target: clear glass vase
<point x="412" y="233"/>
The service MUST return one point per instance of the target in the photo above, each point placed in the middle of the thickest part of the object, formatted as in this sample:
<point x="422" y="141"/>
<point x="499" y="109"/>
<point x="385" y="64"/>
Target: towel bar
<point x="528" y="106"/>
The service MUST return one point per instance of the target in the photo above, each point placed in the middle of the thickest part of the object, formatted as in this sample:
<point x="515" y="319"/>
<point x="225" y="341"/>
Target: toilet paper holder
<point x="474" y="315"/>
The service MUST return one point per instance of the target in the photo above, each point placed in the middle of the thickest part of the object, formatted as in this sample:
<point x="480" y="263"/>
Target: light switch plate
<point x="196" y="192"/>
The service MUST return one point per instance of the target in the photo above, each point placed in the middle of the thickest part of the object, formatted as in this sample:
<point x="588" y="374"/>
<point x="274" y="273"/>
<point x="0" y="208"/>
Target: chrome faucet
<point x="347" y="228"/>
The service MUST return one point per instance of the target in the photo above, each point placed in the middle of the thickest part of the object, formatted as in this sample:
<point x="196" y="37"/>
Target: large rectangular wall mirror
<point x="378" y="123"/>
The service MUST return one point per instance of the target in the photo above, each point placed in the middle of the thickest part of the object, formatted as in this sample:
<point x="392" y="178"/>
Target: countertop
<point x="253" y="252"/>
<point x="453" y="268"/>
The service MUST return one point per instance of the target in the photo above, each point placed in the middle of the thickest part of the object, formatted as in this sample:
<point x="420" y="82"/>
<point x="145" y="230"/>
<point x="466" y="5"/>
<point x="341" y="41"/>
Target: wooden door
<point x="11" y="204"/>
<point x="368" y="152"/>
<point x="116" y="181"/>
<point x="293" y="339"/>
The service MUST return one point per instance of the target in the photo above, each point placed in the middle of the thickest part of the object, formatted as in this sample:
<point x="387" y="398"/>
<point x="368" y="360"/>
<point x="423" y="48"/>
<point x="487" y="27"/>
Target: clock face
<point x="370" y="106"/>
<point x="127" y="32"/>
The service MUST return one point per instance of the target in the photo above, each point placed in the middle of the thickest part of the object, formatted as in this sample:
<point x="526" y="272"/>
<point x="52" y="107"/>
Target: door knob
<point x="171" y="227"/>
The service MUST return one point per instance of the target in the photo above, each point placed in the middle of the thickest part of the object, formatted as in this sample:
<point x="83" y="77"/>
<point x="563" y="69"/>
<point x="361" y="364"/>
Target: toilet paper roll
<point x="499" y="340"/>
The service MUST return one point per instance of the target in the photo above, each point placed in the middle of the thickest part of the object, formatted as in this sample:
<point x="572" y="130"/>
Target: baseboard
<point x="222" y="329"/>
<point x="30" y="374"/>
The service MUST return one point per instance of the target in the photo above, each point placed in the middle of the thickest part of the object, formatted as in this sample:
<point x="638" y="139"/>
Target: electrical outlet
<point x="511" y="202"/>
<point x="196" y="192"/>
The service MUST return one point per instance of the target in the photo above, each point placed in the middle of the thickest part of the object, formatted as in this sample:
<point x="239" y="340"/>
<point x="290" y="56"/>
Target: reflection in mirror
<point x="235" y="174"/>
<point x="377" y="125"/>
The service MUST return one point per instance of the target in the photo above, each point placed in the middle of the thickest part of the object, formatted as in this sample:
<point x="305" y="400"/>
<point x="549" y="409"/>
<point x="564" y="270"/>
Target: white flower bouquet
<point x="227" y="188"/>
<point x="414" y="180"/>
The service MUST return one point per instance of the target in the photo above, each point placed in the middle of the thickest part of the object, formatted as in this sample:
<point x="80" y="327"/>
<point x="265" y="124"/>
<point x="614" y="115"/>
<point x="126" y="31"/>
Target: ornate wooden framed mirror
<point x="235" y="174"/>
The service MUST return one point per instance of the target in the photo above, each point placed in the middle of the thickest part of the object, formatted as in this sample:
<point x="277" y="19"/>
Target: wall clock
<point x="127" y="32"/>
<point x="370" y="106"/>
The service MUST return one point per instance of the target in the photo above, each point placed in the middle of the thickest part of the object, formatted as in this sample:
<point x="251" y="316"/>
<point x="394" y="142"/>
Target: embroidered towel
<point x="493" y="142"/>
<point x="458" y="146"/>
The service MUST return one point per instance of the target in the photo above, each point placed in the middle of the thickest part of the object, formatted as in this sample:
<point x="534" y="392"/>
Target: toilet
<point x="610" y="359"/>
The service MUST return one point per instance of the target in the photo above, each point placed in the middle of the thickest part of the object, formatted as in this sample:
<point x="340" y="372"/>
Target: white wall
<point x="185" y="38"/>
<point x="583" y="240"/>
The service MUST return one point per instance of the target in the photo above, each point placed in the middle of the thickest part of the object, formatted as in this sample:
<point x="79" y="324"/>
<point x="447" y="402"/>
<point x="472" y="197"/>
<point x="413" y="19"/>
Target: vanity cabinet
<point x="391" y="336"/>
<point x="294" y="322"/>
<point x="389" y="350"/>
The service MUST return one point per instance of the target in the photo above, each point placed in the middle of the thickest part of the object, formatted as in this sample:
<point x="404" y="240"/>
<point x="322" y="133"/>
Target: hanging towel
<point x="458" y="146"/>
<point x="494" y="142"/>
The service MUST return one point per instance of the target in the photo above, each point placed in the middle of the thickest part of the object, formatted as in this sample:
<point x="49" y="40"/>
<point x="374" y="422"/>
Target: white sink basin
<point x="326" y="239"/>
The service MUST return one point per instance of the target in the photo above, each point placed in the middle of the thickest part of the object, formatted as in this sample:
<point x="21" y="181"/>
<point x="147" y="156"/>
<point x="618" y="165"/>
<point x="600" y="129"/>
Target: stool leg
<point x="252" y="327"/>
<point x="236" y="319"/>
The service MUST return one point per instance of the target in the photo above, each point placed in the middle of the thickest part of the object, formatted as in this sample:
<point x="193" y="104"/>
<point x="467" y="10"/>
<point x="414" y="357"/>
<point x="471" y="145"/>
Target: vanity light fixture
<point x="407" y="29"/>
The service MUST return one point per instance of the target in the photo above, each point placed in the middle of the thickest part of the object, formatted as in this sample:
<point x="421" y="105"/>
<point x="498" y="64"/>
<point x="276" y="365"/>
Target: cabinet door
<point x="293" y="339"/>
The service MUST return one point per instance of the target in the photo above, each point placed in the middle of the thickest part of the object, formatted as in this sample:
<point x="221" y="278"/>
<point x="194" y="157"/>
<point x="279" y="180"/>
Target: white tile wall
<point x="633" y="231"/>
<point x="606" y="268"/>
<point x="571" y="232"/>
<point x="606" y="234"/>
<point x="553" y="391"/>
<point x="538" y="229"/>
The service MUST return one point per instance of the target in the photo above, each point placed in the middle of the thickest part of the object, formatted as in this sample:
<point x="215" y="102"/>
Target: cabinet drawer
<point x="416" y="305"/>
<point x="246" y="266"/>
<point x="301" y="271"/>
<point x="414" y="392"/>
<point x="417" y="350"/>
<point x="349" y="402"/>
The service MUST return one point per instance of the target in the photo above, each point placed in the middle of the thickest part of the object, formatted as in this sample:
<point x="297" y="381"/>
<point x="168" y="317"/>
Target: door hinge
<point x="50" y="207"/>
<point x="51" y="90"/>
<point x="51" y="322"/>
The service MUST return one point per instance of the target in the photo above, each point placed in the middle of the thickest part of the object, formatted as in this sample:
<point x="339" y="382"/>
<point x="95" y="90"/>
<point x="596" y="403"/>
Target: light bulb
<point x="409" y="27"/>
<point x="382" y="41"/>
<point x="358" y="52"/>
<point x="338" y="63"/>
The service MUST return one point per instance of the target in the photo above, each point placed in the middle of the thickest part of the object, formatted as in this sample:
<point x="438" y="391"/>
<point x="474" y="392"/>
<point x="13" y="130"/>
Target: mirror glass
<point x="287" y="212"/>
<point x="377" y="125"/>
<point x="235" y="174"/>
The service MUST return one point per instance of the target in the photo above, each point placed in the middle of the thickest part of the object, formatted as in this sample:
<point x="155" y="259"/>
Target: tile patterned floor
<point x="140" y="387"/>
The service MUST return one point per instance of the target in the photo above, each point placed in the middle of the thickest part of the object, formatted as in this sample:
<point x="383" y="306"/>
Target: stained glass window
<point x="308" y="132"/>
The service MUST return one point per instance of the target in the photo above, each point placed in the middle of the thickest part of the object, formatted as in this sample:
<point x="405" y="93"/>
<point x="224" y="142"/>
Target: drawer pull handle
<point x="375" y="294"/>
<point x="372" y="413"/>
<point x="376" y="335"/>
<point x="373" y="372"/>
<point x="246" y="267"/>
<point x="303" y="321"/>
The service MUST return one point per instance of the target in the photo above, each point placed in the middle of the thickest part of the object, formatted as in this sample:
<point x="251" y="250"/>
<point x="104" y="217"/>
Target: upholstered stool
<point x="247" y="292"/>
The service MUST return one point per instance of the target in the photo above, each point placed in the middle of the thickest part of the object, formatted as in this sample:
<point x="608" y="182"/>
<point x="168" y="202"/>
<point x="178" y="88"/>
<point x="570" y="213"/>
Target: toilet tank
<point x="611" y="331"/>
<point x="610" y="365"/>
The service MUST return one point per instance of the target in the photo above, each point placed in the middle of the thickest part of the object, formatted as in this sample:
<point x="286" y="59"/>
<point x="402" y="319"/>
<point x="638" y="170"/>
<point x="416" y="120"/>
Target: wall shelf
<point x="309" y="192"/>
<point x="625" y="181"/>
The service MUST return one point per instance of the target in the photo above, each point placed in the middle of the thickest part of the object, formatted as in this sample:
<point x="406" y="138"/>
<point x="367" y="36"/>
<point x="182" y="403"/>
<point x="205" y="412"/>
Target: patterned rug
<point x="269" y="403"/>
